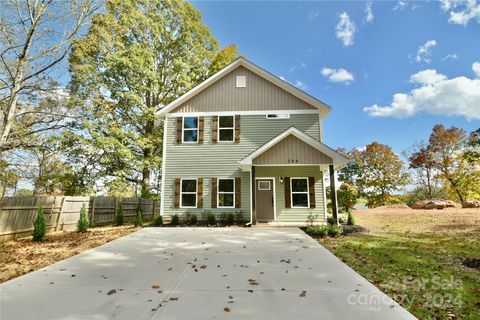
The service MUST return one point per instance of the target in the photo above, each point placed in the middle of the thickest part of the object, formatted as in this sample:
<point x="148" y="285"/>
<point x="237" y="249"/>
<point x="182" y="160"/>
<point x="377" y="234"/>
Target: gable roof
<point x="337" y="158"/>
<point x="323" y="108"/>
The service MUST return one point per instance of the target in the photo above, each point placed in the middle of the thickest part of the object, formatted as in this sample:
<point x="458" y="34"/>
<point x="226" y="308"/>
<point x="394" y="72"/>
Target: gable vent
<point x="241" y="81"/>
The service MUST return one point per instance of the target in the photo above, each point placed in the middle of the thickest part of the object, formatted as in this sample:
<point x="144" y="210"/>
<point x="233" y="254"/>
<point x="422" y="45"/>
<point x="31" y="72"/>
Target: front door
<point x="264" y="199"/>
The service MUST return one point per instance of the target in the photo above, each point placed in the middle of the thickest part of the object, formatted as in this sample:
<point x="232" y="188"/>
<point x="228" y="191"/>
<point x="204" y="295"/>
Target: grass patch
<point x="420" y="266"/>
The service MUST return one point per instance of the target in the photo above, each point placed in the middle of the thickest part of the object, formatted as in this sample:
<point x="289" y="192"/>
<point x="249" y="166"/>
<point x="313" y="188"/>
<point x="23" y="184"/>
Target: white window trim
<point x="223" y="128"/>
<point x="218" y="193"/>
<point x="300" y="192"/>
<point x="197" y="129"/>
<point x="195" y="193"/>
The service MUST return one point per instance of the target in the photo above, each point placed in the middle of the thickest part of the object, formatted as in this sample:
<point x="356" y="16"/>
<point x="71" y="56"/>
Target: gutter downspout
<point x="252" y="196"/>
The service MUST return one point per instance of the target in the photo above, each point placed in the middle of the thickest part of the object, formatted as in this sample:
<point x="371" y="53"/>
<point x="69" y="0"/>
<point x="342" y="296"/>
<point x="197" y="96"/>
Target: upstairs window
<point x="226" y="128"/>
<point x="190" y="130"/>
<point x="299" y="193"/>
<point x="188" y="193"/>
<point x="226" y="193"/>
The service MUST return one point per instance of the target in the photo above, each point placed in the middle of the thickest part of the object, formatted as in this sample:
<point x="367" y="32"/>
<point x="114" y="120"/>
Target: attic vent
<point x="241" y="81"/>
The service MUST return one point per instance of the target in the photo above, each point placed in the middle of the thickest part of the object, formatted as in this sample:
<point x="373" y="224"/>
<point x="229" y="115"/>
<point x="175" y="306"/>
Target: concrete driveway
<point x="197" y="273"/>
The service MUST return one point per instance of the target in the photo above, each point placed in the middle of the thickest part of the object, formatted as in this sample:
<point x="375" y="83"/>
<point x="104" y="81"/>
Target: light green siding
<point x="295" y="214"/>
<point x="220" y="160"/>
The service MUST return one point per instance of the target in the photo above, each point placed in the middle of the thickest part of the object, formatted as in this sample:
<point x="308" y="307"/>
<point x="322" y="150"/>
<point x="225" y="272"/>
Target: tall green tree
<point x="351" y="173"/>
<point x="383" y="173"/>
<point x="138" y="56"/>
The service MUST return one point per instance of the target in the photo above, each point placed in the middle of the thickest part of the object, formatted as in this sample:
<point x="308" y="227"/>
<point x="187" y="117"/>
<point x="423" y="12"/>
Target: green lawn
<point x="416" y="258"/>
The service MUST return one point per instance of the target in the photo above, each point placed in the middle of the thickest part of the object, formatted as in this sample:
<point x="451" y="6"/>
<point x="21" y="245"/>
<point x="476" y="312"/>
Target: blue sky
<point x="355" y="55"/>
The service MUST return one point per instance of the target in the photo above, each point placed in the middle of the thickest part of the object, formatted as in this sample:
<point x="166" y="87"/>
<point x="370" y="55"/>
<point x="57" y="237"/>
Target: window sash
<point x="219" y="193"/>
<point x="220" y="128"/>
<point x="307" y="192"/>
<point x="188" y="192"/>
<point x="189" y="129"/>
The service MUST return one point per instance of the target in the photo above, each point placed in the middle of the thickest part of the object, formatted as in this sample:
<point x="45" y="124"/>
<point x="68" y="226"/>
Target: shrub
<point x="203" y="216"/>
<point x="311" y="219"/>
<point x="230" y="219"/>
<point x="138" y="217"/>
<point x="239" y="217"/>
<point x="317" y="231"/>
<point x="175" y="220"/>
<point x="82" y="224"/>
<point x="330" y="220"/>
<point x="192" y="219"/>
<point x="222" y="218"/>
<point x="341" y="220"/>
<point x="158" y="221"/>
<point x="119" y="216"/>
<point x="39" y="226"/>
<point x="334" y="231"/>
<point x="350" y="219"/>
<point x="211" y="219"/>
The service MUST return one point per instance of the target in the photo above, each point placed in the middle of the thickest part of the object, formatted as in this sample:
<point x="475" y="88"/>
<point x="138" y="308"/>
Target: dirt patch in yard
<point x="23" y="256"/>
<point x="396" y="220"/>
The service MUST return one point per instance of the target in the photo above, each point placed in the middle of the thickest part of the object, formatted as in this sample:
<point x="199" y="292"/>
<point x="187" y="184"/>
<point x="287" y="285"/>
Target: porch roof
<point x="293" y="147"/>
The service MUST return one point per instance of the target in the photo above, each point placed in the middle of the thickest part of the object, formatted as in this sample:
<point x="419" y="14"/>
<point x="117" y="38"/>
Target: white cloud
<point x="476" y="68"/>
<point x="337" y="75"/>
<point x="436" y="94"/>
<point x="400" y="5"/>
<point x="465" y="10"/>
<point x="368" y="12"/>
<point x="423" y="53"/>
<point x="345" y="29"/>
<point x="450" y="56"/>
<point x="299" y="84"/>
<point x="429" y="76"/>
<point x="301" y="65"/>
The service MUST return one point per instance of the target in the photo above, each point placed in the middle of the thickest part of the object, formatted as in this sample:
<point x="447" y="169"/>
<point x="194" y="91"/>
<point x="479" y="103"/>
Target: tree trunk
<point x="147" y="154"/>
<point x="454" y="185"/>
<point x="17" y="83"/>
<point x="429" y="185"/>
<point x="12" y="104"/>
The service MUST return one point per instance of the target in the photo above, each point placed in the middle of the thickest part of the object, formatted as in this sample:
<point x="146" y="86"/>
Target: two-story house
<point x="246" y="140"/>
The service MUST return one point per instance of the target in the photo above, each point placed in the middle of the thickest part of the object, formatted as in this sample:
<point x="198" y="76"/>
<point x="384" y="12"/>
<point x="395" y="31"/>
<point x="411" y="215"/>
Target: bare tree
<point x="35" y="36"/>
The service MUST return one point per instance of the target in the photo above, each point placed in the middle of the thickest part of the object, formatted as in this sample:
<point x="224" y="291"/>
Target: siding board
<point x="259" y="94"/>
<point x="292" y="150"/>
<point x="220" y="159"/>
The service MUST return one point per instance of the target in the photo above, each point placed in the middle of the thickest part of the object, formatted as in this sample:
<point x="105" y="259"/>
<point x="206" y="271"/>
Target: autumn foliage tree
<point x="423" y="162"/>
<point x="347" y="196"/>
<point x="382" y="173"/>
<point x="461" y="176"/>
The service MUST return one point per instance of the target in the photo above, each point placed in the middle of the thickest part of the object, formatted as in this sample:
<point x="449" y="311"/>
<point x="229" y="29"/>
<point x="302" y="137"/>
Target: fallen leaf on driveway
<point x="173" y="298"/>
<point x="303" y="294"/>
<point x="111" y="292"/>
<point x="156" y="286"/>
<point x="226" y="309"/>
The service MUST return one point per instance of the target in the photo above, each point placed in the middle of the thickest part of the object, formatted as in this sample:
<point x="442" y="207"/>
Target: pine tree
<point x="119" y="216"/>
<point x="138" y="217"/>
<point x="39" y="226"/>
<point x="82" y="224"/>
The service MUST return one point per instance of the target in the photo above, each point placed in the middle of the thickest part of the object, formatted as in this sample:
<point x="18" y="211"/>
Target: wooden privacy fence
<point x="62" y="213"/>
